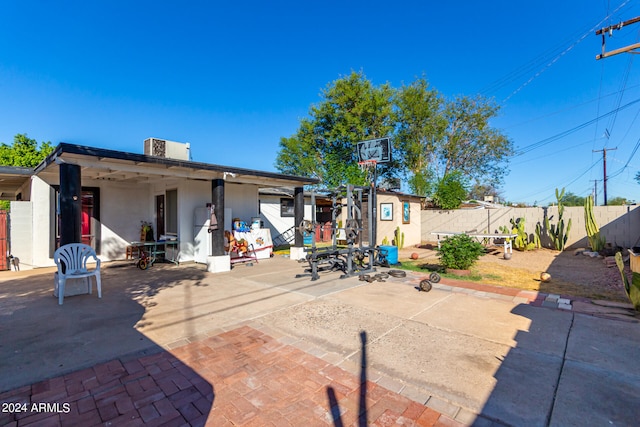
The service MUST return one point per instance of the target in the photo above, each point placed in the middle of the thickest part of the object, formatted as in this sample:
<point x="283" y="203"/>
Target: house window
<point x="171" y="212"/>
<point x="90" y="217"/>
<point x="286" y="208"/>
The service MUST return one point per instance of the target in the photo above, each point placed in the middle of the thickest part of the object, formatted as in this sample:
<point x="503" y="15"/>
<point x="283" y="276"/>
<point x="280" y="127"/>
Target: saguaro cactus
<point x="596" y="241"/>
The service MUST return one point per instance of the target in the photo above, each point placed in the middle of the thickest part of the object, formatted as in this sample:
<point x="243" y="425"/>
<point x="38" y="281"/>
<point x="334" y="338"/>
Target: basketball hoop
<point x="368" y="167"/>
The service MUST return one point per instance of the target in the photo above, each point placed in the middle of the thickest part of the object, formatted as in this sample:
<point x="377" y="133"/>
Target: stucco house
<point x="101" y="197"/>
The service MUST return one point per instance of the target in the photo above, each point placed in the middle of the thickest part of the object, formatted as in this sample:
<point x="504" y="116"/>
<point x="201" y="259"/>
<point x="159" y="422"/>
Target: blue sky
<point x="232" y="78"/>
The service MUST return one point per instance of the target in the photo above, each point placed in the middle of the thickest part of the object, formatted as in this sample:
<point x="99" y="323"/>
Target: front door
<point x="159" y="216"/>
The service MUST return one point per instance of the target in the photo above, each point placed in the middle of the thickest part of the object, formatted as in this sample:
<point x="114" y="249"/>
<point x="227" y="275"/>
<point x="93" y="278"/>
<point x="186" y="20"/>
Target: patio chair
<point x="71" y="260"/>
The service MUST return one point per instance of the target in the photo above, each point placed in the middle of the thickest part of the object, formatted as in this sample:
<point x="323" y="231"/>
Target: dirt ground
<point x="571" y="274"/>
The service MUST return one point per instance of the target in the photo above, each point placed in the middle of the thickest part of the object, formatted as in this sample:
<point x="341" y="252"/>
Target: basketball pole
<point x="374" y="210"/>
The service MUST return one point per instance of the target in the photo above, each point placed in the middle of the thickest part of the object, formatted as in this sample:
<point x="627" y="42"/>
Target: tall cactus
<point x="596" y="241"/>
<point x="557" y="232"/>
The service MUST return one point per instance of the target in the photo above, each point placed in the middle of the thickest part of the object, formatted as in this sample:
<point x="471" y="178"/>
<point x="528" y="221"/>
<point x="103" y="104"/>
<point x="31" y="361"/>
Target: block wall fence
<point x="619" y="224"/>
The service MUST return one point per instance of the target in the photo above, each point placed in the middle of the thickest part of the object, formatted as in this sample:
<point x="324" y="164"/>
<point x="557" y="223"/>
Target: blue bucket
<point x="392" y="253"/>
<point x="307" y="239"/>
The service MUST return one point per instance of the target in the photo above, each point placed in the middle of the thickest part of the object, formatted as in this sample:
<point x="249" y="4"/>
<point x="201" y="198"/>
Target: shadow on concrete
<point x="585" y="372"/>
<point x="334" y="407"/>
<point x="46" y="343"/>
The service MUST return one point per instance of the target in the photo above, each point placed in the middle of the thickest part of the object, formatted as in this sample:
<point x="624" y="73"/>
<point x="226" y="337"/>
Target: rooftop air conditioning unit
<point x="168" y="149"/>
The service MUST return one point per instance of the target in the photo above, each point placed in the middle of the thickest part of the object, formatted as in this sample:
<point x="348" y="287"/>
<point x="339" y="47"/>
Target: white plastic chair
<point x="71" y="260"/>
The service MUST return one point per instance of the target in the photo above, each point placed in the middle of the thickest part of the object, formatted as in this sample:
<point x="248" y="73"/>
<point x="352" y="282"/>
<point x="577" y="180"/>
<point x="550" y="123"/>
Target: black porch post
<point x="217" y="198"/>
<point x="70" y="204"/>
<point x="298" y="213"/>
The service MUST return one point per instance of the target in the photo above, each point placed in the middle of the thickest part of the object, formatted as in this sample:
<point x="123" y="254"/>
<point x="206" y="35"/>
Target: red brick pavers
<point x="238" y="378"/>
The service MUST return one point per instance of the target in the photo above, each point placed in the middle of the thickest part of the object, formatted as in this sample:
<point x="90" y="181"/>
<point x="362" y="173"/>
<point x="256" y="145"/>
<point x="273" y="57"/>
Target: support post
<point x="296" y="252"/>
<point x="219" y="261"/>
<point x="298" y="213"/>
<point x="70" y="204"/>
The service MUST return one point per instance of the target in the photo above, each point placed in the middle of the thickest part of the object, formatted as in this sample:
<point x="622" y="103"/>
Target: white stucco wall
<point x="122" y="209"/>
<point x="43" y="221"/>
<point x="270" y="214"/>
<point x="242" y="199"/>
<point x="21" y="232"/>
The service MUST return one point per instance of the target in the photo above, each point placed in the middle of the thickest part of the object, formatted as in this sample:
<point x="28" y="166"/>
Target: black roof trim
<point x="64" y="147"/>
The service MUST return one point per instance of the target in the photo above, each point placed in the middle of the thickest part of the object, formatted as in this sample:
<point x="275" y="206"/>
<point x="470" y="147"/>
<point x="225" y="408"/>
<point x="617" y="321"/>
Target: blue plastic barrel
<point x="392" y="253"/>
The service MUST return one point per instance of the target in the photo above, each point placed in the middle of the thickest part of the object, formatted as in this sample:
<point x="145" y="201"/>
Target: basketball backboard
<point x="375" y="149"/>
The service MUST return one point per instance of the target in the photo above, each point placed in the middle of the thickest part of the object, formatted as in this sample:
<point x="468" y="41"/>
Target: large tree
<point x="420" y="125"/>
<point x="24" y="151"/>
<point x="324" y="147"/>
<point x="432" y="137"/>
<point x="470" y="145"/>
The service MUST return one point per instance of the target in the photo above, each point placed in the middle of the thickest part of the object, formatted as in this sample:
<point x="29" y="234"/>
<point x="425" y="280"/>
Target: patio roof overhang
<point x="118" y="166"/>
<point x="12" y="178"/>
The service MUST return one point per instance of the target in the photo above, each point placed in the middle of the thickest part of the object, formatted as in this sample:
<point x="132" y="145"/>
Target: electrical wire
<point x="560" y="135"/>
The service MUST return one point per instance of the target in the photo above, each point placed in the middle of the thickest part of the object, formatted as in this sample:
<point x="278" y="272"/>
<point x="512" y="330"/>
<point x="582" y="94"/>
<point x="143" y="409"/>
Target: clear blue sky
<point x="232" y="78"/>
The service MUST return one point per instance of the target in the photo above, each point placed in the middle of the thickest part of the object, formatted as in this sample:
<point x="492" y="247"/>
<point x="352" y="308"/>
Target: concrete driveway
<point x="479" y="355"/>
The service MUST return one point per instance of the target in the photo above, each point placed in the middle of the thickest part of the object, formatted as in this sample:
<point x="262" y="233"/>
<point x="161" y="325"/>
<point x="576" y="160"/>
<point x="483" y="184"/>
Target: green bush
<point x="451" y="191"/>
<point x="459" y="252"/>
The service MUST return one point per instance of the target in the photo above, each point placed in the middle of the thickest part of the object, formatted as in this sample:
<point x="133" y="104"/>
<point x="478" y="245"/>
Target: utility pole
<point x="609" y="30"/>
<point x="595" y="191"/>
<point x="604" y="164"/>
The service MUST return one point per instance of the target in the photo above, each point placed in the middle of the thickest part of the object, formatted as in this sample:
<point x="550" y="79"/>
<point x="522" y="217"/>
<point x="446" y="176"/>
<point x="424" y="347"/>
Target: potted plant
<point x="459" y="253"/>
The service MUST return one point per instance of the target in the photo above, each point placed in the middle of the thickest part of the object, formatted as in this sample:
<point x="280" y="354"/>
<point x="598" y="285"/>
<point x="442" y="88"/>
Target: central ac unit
<point x="169" y="149"/>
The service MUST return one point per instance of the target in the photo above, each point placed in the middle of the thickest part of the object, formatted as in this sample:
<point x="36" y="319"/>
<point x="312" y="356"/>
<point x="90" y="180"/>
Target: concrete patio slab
<point x="476" y="358"/>
<point x="589" y="395"/>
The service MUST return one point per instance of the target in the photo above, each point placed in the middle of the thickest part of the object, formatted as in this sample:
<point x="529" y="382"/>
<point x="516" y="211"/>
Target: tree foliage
<point x="571" y="199"/>
<point x="617" y="201"/>
<point x="479" y="191"/>
<point x="451" y="191"/>
<point x="324" y="146"/>
<point x="419" y="126"/>
<point x="432" y="137"/>
<point x="24" y="152"/>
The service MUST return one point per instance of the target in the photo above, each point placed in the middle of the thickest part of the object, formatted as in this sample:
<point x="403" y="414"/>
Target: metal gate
<point x="4" y="241"/>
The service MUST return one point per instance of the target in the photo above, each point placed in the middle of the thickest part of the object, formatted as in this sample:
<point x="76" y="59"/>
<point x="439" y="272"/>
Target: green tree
<point x="479" y="191"/>
<point x="470" y="144"/>
<point x="420" y="124"/>
<point x="617" y="201"/>
<point x="324" y="147"/>
<point x="432" y="137"/>
<point x="571" y="199"/>
<point x="451" y="191"/>
<point x="24" y="152"/>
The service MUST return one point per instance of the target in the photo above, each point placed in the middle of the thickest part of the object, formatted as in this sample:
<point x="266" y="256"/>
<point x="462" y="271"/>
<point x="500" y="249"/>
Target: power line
<point x="549" y="140"/>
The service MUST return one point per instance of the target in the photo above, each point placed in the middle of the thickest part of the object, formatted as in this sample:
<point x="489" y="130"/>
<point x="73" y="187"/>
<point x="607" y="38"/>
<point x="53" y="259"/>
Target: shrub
<point x="459" y="252"/>
<point x="451" y="191"/>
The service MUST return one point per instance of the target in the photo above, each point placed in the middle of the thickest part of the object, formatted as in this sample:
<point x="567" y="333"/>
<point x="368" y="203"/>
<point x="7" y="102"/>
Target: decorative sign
<point x="375" y="149"/>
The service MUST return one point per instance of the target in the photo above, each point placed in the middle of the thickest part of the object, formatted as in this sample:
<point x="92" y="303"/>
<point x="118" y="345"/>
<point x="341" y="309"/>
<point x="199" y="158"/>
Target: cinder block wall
<point x="619" y="224"/>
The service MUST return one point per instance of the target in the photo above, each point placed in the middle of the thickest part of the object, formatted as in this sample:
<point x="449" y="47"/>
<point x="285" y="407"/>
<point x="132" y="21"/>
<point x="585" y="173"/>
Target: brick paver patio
<point x="243" y="377"/>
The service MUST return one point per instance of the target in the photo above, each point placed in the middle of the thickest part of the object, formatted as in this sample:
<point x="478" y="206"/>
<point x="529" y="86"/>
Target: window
<point x="286" y="208"/>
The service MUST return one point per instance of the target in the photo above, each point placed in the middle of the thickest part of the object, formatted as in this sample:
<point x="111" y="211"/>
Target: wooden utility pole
<point x="604" y="163"/>
<point x="609" y="30"/>
<point x="595" y="191"/>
